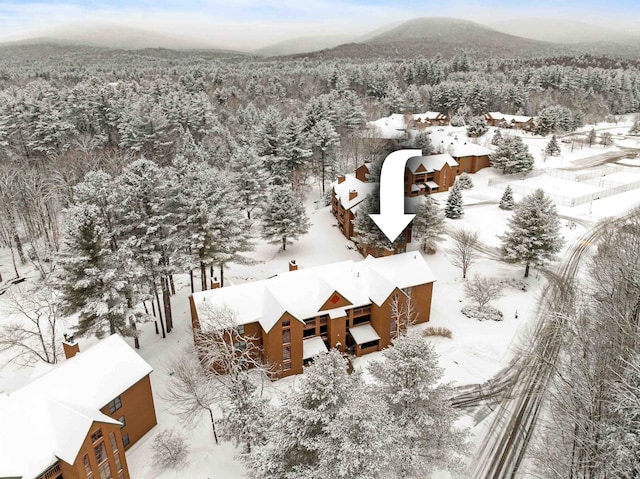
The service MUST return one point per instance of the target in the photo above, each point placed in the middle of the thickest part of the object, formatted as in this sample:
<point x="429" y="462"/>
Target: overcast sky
<point x="256" y="23"/>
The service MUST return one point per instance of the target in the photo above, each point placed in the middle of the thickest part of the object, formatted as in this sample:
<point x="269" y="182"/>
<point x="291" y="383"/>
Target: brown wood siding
<point x="272" y="342"/>
<point x="77" y="471"/>
<point x="138" y="410"/>
<point x="337" y="333"/>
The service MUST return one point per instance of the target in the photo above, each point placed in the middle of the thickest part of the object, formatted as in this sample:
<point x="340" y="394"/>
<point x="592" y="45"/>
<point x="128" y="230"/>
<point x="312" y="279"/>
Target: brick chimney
<point x="341" y="179"/>
<point x="70" y="346"/>
<point x="215" y="284"/>
<point x="292" y="265"/>
<point x="352" y="194"/>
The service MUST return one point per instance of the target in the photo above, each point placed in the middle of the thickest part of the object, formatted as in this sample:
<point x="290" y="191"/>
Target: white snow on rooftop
<point x="459" y="150"/>
<point x="364" y="334"/>
<point x="429" y="115"/>
<point x="430" y="163"/>
<point x="313" y="347"/>
<point x="496" y="115"/>
<point x="303" y="292"/>
<point x="51" y="415"/>
<point x="352" y="184"/>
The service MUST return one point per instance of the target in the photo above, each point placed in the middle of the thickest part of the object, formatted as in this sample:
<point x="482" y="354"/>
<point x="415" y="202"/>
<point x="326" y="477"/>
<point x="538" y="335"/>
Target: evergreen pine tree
<point x="512" y="156"/>
<point x="533" y="237"/>
<point x="476" y="126"/>
<point x="453" y="208"/>
<point x="506" y="202"/>
<point x="497" y="138"/>
<point x="250" y="178"/>
<point x="553" y="148"/>
<point x="407" y="379"/>
<point x="284" y="217"/>
<point x="292" y="152"/>
<point x="428" y="224"/>
<point x="423" y="142"/>
<point x="90" y="277"/>
<point x="464" y="181"/>
<point x="325" y="139"/>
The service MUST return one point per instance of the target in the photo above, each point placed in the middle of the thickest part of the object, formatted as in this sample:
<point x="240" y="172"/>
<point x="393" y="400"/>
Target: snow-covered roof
<point x="50" y="417"/>
<point x="458" y="150"/>
<point x="432" y="184"/>
<point x="364" y="334"/>
<point x="496" y="115"/>
<point x="312" y="347"/>
<point x="429" y="115"/>
<point x="351" y="183"/>
<point x="392" y="127"/>
<point x="304" y="292"/>
<point x="430" y="163"/>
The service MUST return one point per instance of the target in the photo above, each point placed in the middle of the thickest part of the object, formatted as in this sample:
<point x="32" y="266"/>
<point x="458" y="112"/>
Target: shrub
<point x="170" y="449"/>
<point x="437" y="331"/>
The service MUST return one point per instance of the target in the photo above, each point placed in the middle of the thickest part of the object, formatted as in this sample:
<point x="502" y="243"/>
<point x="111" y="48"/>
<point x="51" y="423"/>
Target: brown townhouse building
<point x="429" y="118"/>
<point x="429" y="174"/>
<point x="471" y="158"/>
<point x="495" y="118"/>
<point x="75" y="420"/>
<point x="296" y="315"/>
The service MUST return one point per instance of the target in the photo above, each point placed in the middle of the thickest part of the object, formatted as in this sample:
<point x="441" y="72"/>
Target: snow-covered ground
<point x="476" y="351"/>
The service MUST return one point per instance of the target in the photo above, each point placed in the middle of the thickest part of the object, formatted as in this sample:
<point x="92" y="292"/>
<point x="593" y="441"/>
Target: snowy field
<point x="476" y="351"/>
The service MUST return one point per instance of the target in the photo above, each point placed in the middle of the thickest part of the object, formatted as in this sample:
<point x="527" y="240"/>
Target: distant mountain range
<point x="417" y="37"/>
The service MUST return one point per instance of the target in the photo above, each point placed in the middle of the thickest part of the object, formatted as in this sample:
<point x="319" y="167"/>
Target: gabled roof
<point x="496" y="115"/>
<point x="50" y="416"/>
<point x="429" y="164"/>
<point x="302" y="293"/>
<point x="429" y="115"/>
<point x="351" y="183"/>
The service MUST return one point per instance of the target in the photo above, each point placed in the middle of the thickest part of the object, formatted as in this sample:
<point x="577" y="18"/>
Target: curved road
<point x="517" y="391"/>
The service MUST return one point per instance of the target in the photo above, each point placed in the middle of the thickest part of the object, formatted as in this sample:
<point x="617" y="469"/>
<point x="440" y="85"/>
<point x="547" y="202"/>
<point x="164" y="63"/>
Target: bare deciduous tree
<point x="482" y="290"/>
<point x="35" y="327"/>
<point x="463" y="252"/>
<point x="190" y="391"/>
<point x="170" y="449"/>
<point x="403" y="314"/>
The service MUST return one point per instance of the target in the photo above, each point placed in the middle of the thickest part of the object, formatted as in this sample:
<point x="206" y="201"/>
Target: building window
<point x="286" y="365"/>
<point x="286" y="353"/>
<point x="100" y="452"/>
<point x="125" y="440"/>
<point x="285" y="323"/>
<point x="115" y="405"/>
<point x="309" y="333"/>
<point x="240" y="329"/>
<point x="105" y="471"/>
<point x="114" y="444"/>
<point x="87" y="466"/>
<point x="122" y="420"/>
<point x="286" y="336"/>
<point x="323" y="329"/>
<point x="96" y="435"/>
<point x="240" y="345"/>
<point x="116" y="456"/>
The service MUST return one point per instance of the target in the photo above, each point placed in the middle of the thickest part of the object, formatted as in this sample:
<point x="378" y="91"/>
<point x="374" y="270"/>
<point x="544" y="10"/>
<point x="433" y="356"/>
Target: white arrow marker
<point x="392" y="219"/>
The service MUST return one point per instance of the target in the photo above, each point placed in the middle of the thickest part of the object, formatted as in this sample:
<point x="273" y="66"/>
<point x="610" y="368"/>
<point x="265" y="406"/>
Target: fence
<point x="596" y="178"/>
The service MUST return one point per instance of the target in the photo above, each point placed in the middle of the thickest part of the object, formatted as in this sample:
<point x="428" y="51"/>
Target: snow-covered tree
<point x="423" y="142"/>
<point x="407" y="379"/>
<point x="250" y="178"/>
<point x="453" y="208"/>
<point x="607" y="138"/>
<point x="293" y="153"/>
<point x="170" y="449"/>
<point x="591" y="137"/>
<point x="428" y="225"/>
<point x="635" y="128"/>
<point x="464" y="181"/>
<point x="512" y="156"/>
<point x="91" y="277"/>
<point x="325" y="139"/>
<point x="482" y="290"/>
<point x="284" y="217"/>
<point x="497" y="138"/>
<point x="476" y="126"/>
<point x="553" y="147"/>
<point x="507" y="202"/>
<point x="301" y="430"/>
<point x="463" y="251"/>
<point x="533" y="237"/>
